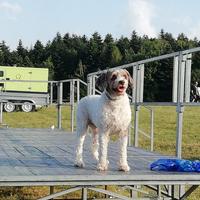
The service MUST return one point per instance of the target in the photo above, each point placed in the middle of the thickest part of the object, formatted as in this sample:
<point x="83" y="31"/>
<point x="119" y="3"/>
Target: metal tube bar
<point x="134" y="84"/>
<point x="171" y="55"/>
<point x="175" y="79"/>
<point x="157" y="58"/>
<point x="193" y="50"/>
<point x="113" y="194"/>
<point x="141" y="91"/>
<point x="93" y="85"/>
<point x="89" y="92"/>
<point x="129" y="136"/>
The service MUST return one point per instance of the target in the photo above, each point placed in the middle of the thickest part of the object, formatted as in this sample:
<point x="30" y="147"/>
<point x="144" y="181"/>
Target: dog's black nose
<point x="122" y="82"/>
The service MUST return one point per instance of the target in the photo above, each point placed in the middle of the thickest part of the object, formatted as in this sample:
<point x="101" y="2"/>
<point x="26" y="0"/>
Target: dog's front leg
<point x="123" y="164"/>
<point x="103" y="162"/>
<point x="79" y="151"/>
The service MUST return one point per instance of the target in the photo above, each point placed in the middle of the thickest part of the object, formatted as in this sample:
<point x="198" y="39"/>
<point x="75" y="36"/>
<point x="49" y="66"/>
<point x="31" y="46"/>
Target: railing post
<point x="78" y="91"/>
<point x="72" y="103"/>
<point x="188" y="61"/>
<point x="1" y="112"/>
<point x="89" y="83"/>
<point x="180" y="108"/>
<point x="51" y="93"/>
<point x="152" y="129"/>
<point x="133" y="100"/>
<point x="175" y="80"/>
<point x="137" y="99"/>
<point x="59" y="102"/>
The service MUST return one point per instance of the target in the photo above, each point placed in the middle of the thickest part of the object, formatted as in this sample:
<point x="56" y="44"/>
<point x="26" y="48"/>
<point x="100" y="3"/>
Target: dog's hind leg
<point x="123" y="163"/>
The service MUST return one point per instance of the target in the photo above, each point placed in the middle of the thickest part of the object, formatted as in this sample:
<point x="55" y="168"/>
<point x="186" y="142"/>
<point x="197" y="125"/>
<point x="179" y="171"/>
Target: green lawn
<point x="164" y="135"/>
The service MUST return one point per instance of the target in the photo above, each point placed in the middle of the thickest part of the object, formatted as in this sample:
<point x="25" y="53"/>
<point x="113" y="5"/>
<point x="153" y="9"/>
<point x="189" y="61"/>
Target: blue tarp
<point x="176" y="165"/>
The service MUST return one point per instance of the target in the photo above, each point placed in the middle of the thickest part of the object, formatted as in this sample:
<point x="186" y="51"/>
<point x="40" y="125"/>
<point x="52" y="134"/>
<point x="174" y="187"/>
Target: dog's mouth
<point x="120" y="89"/>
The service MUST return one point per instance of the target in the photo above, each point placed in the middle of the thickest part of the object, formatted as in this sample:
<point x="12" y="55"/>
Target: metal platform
<point x="38" y="157"/>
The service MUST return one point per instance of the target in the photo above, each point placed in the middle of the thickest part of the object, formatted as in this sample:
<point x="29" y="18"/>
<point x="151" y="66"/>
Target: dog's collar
<point x="110" y="97"/>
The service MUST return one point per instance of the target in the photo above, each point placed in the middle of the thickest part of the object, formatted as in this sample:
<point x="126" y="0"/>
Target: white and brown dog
<point x="108" y="113"/>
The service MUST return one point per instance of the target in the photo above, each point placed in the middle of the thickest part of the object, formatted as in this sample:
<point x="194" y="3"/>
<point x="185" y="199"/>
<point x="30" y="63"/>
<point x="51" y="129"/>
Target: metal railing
<point x="180" y="90"/>
<point x="58" y="96"/>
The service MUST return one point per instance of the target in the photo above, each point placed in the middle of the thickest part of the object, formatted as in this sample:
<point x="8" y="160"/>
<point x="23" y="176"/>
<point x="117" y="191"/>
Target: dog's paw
<point x="124" y="168"/>
<point x="79" y="164"/>
<point x="103" y="166"/>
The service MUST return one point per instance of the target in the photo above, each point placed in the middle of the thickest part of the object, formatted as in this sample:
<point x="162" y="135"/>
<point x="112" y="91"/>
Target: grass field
<point x="164" y="138"/>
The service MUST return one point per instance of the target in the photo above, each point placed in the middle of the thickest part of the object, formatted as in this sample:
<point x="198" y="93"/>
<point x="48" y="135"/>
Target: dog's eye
<point x="113" y="77"/>
<point x="126" y="77"/>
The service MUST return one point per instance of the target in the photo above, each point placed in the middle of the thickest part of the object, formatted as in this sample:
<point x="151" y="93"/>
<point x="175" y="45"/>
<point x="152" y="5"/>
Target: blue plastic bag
<point x="178" y="165"/>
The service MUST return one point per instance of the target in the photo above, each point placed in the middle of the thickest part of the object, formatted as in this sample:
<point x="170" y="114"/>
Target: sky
<point x="32" y="20"/>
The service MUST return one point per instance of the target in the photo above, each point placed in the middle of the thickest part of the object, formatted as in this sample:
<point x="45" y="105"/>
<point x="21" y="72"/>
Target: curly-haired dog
<point x="108" y="113"/>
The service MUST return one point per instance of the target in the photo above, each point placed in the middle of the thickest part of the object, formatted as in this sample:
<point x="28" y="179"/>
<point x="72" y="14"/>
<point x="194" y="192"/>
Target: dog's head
<point x="115" y="82"/>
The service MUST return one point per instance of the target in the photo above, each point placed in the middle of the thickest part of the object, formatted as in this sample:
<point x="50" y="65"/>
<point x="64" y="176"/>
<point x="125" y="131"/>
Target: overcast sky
<point x="31" y="20"/>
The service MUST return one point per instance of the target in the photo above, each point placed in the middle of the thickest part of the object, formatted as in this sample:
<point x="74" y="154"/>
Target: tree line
<point x="74" y="56"/>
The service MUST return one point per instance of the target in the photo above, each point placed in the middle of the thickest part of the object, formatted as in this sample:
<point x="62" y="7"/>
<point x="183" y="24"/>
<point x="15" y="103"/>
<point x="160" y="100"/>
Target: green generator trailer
<point x="24" y="87"/>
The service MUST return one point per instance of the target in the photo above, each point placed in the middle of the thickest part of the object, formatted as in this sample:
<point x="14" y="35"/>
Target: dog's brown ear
<point x="130" y="79"/>
<point x="101" y="81"/>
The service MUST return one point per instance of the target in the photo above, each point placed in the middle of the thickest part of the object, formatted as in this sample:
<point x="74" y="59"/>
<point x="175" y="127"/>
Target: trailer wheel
<point x="9" y="107"/>
<point x="27" y="107"/>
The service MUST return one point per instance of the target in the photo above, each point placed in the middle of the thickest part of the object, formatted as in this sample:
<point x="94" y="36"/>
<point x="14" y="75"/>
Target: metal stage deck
<point x="38" y="157"/>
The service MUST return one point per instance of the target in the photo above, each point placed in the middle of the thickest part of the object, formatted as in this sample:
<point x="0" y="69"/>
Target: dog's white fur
<point x="108" y="113"/>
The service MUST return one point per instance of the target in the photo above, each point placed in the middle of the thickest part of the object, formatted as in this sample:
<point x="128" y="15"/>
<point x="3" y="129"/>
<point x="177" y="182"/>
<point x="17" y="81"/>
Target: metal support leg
<point x="189" y="191"/>
<point x="179" y="128"/>
<point x="181" y="190"/>
<point x="136" y="123"/>
<point x="106" y="196"/>
<point x="159" y="191"/>
<point x="51" y="190"/>
<point x="133" y="193"/>
<point x="130" y="135"/>
<point x="152" y="129"/>
<point x="84" y="193"/>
